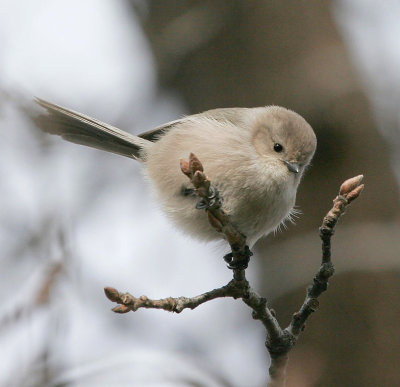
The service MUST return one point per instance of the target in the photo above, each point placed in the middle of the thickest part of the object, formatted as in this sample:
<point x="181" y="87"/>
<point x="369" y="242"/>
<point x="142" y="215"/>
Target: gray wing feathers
<point x="84" y="130"/>
<point x="233" y="115"/>
<point x="154" y="134"/>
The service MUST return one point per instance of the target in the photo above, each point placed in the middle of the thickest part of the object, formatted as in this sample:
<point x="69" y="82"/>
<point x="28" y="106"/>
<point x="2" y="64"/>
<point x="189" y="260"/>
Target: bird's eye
<point x="278" y="147"/>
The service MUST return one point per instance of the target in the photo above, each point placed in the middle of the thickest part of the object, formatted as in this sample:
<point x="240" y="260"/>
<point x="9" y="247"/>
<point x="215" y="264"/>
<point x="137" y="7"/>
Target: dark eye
<point x="278" y="147"/>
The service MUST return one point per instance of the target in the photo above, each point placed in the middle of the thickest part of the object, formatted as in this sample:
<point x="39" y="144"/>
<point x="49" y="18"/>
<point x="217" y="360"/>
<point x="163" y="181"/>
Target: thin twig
<point x="130" y="303"/>
<point x="349" y="191"/>
<point x="279" y="349"/>
<point x="279" y="341"/>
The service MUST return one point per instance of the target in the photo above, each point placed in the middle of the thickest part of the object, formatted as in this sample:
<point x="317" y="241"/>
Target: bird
<point x="254" y="157"/>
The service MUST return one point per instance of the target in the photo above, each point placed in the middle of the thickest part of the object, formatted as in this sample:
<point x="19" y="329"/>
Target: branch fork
<point x="279" y="341"/>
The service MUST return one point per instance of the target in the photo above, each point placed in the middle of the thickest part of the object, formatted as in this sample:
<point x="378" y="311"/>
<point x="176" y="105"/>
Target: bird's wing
<point x="84" y="130"/>
<point x="233" y="115"/>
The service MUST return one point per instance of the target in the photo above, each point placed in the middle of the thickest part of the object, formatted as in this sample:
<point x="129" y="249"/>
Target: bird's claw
<point x="202" y="204"/>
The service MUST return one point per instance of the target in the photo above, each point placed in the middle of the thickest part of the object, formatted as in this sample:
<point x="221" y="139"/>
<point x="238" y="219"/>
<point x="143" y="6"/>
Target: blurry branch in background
<point x="279" y="340"/>
<point x="51" y="271"/>
<point x="39" y="288"/>
<point x="40" y="297"/>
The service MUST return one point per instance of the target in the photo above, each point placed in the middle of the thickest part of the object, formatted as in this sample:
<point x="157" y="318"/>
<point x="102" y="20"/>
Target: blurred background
<point x="73" y="220"/>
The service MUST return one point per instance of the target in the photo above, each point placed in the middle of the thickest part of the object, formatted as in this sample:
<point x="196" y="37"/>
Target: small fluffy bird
<point x="255" y="157"/>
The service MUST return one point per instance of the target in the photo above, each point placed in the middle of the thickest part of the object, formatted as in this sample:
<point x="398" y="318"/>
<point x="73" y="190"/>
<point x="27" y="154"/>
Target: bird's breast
<point x="260" y="203"/>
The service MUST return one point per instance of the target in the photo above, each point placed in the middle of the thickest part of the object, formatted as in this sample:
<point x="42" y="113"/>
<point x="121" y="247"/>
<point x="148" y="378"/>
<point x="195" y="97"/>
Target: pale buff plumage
<point x="236" y="147"/>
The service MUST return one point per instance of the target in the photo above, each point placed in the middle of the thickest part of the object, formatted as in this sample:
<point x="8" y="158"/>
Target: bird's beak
<point x="292" y="167"/>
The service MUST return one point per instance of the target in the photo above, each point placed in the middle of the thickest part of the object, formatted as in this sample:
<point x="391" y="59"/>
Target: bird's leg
<point x="186" y="191"/>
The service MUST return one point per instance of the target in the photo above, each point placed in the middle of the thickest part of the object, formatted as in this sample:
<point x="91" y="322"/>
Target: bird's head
<point x="283" y="136"/>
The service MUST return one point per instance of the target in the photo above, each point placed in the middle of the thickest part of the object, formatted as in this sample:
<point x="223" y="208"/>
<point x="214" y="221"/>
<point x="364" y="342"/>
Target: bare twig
<point x="279" y="346"/>
<point x="130" y="303"/>
<point x="279" y="341"/>
<point x="349" y="191"/>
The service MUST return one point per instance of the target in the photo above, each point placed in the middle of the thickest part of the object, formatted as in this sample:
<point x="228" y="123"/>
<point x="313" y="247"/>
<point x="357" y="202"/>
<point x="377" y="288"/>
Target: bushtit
<point x="254" y="157"/>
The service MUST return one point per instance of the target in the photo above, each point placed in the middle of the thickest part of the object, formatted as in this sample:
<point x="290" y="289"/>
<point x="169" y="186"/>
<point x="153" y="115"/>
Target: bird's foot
<point x="213" y="200"/>
<point x="240" y="261"/>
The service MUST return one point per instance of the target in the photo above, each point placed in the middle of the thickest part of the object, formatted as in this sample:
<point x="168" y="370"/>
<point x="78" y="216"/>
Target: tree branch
<point x="278" y="341"/>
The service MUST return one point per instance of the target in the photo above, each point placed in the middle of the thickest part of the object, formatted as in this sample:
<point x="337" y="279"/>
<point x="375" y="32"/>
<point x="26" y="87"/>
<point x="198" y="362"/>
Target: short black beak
<point x="292" y="167"/>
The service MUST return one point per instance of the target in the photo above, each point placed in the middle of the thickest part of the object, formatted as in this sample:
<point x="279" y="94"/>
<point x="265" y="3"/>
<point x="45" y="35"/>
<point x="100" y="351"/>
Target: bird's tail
<point x="84" y="130"/>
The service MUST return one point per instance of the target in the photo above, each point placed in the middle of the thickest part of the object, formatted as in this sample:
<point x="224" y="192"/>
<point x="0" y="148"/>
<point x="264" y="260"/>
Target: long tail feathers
<point x="84" y="130"/>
